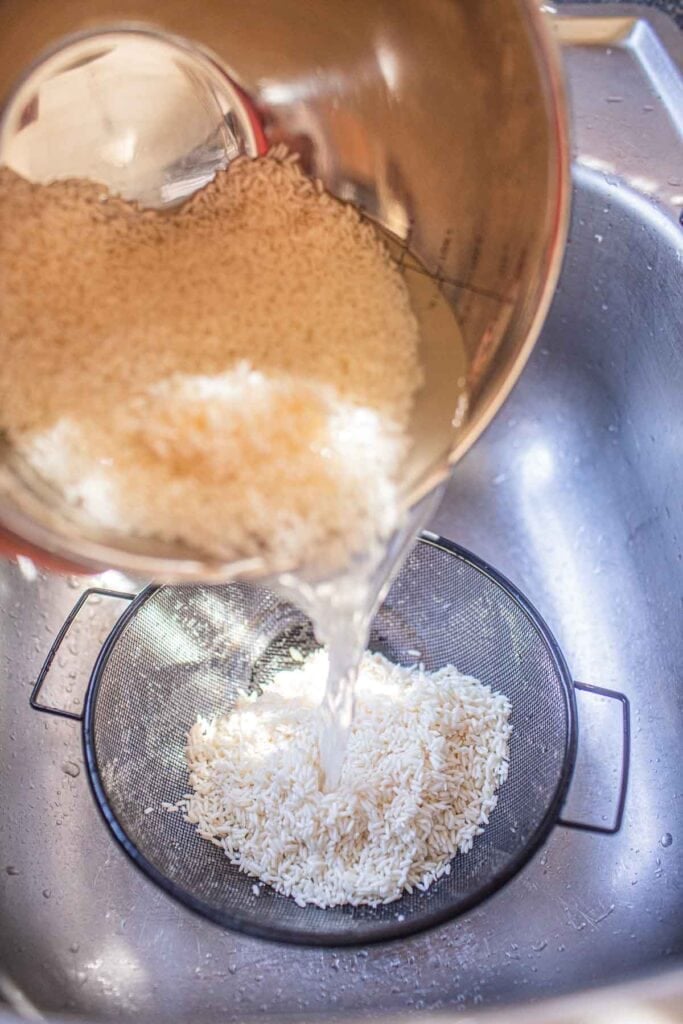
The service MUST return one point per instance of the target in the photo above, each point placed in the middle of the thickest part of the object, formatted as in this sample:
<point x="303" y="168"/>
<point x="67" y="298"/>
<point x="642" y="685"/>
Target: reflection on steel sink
<point x="576" y="494"/>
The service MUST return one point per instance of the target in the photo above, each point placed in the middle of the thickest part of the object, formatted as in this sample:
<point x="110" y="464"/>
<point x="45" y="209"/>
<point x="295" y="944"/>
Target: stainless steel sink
<point x="575" y="493"/>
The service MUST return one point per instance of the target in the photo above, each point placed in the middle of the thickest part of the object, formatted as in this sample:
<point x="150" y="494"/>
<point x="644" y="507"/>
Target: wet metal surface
<point x="576" y="494"/>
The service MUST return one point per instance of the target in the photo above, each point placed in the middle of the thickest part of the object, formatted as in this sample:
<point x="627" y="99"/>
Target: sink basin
<point x="576" y="494"/>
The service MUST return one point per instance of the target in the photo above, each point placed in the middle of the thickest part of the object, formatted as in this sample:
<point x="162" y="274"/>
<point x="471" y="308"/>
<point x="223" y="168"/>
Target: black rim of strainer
<point x="391" y="929"/>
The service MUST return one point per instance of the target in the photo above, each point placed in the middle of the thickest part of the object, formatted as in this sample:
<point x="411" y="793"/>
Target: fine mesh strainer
<point x="181" y="651"/>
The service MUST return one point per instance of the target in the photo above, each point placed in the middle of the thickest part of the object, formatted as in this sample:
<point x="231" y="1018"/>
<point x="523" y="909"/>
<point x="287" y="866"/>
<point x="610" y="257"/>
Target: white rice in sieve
<point x="427" y="753"/>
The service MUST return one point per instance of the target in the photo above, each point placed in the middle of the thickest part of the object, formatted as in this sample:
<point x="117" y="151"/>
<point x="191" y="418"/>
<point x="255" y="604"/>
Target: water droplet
<point x="74" y="947"/>
<point x="47" y="893"/>
<point x="667" y="839"/>
<point x="71" y="768"/>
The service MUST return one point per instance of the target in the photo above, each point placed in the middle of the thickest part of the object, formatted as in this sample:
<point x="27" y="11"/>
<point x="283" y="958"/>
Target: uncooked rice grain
<point x="427" y="753"/>
<point x="229" y="375"/>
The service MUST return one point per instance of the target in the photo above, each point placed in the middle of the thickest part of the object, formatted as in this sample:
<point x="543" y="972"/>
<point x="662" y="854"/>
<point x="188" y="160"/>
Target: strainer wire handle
<point x="609" y="830"/>
<point x="57" y="643"/>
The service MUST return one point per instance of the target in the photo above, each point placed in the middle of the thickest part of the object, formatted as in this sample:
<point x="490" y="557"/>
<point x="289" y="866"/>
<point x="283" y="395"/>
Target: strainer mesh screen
<point x="190" y="650"/>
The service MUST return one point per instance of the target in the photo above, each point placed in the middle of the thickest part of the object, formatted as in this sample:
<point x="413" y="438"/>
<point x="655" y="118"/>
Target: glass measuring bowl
<point x="444" y="123"/>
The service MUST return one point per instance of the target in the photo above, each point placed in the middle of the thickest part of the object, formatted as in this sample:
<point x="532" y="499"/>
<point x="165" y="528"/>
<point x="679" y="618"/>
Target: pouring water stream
<point x="342" y="610"/>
